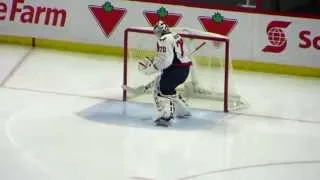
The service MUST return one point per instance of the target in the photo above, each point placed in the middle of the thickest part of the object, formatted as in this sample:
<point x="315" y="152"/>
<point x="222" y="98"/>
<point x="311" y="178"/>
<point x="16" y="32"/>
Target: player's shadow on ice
<point x="141" y="115"/>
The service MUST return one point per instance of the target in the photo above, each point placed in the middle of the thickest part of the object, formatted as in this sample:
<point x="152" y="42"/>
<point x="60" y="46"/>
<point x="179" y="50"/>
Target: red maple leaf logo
<point x="171" y="19"/>
<point x="218" y="24"/>
<point x="107" y="16"/>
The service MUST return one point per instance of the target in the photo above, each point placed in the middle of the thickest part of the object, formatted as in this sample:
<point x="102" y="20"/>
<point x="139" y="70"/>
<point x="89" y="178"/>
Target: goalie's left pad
<point x="147" y="66"/>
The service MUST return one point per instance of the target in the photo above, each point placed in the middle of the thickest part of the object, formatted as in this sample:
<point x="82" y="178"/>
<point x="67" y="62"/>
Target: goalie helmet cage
<point x="199" y="36"/>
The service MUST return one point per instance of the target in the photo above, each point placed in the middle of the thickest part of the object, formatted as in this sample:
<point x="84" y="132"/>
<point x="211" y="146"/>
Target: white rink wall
<point x="298" y="44"/>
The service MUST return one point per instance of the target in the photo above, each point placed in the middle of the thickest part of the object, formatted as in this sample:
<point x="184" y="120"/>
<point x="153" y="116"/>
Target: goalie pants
<point x="165" y="95"/>
<point x="171" y="78"/>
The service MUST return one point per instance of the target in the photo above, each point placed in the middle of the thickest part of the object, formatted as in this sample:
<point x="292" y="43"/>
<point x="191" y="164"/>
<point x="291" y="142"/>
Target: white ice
<point x="42" y="135"/>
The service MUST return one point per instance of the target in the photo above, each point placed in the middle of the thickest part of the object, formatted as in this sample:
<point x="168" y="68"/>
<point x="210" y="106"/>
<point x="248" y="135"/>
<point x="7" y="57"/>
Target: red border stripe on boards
<point x="257" y="10"/>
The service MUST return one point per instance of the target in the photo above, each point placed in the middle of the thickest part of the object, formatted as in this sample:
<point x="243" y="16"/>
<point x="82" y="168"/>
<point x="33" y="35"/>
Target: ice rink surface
<point x="61" y="119"/>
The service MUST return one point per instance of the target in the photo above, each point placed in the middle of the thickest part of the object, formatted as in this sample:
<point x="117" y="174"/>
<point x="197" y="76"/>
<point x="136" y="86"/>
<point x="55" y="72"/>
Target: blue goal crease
<point x="142" y="115"/>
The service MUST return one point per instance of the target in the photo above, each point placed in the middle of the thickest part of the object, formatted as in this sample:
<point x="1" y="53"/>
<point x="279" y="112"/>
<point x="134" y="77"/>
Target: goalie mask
<point x="160" y="29"/>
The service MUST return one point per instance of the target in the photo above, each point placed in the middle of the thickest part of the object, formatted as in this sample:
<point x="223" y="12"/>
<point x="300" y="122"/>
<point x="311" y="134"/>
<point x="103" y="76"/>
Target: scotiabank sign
<point x="19" y="11"/>
<point x="278" y="39"/>
<point x="276" y="36"/>
<point x="309" y="40"/>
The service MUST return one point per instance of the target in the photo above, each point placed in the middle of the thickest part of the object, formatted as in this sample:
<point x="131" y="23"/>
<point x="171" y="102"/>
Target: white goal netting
<point x="210" y="84"/>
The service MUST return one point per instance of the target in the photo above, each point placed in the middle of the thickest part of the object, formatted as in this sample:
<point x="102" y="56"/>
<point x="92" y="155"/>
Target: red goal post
<point x="183" y="32"/>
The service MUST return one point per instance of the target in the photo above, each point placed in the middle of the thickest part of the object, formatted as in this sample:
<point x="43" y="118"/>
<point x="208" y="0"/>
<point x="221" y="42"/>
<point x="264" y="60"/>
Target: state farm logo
<point x="276" y="36"/>
<point x="19" y="11"/>
<point x="107" y="16"/>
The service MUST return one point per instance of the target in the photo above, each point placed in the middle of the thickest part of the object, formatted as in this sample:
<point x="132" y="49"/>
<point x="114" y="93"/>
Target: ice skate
<point x="164" y="122"/>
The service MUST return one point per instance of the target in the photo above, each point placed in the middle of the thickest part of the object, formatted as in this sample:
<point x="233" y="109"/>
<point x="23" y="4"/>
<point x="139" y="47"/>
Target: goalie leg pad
<point x="165" y="106"/>
<point x="169" y="105"/>
<point x="164" y="103"/>
<point x="165" y="95"/>
<point x="181" y="107"/>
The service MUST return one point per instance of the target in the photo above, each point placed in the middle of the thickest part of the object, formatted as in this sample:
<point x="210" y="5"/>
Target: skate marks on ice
<point x="141" y="115"/>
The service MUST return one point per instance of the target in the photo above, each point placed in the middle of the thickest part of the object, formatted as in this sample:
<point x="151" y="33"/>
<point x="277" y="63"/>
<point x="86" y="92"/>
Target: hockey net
<point x="210" y="84"/>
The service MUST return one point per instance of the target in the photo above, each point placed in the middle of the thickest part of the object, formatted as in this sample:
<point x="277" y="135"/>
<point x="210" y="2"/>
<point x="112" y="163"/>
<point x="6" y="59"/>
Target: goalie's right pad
<point x="181" y="107"/>
<point x="169" y="105"/>
<point x="147" y="66"/>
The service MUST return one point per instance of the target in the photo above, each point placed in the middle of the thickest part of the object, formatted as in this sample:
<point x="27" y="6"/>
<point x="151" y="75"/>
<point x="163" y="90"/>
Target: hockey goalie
<point x="174" y="68"/>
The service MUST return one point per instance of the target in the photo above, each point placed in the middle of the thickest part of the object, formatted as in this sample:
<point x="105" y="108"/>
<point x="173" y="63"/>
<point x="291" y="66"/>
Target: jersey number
<point x="161" y="49"/>
<point x="180" y="44"/>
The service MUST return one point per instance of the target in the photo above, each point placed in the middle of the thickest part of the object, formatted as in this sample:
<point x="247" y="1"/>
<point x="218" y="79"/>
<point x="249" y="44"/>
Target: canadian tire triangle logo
<point x="171" y="19"/>
<point x="218" y="24"/>
<point x="107" y="16"/>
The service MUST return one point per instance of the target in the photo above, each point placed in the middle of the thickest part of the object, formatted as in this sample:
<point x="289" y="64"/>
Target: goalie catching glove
<point x="147" y="66"/>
